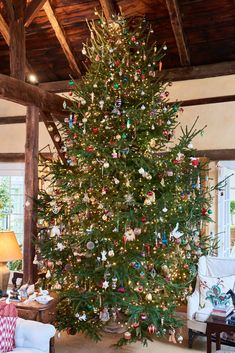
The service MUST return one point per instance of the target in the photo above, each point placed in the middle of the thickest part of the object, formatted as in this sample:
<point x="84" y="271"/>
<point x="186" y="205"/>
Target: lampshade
<point x="9" y="248"/>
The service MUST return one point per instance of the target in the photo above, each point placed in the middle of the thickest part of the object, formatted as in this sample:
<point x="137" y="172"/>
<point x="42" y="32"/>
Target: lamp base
<point x="4" y="278"/>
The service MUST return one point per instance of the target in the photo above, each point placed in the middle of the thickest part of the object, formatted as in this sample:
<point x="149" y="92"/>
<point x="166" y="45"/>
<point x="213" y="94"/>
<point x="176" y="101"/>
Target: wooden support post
<point x="31" y="191"/>
<point x="17" y="43"/>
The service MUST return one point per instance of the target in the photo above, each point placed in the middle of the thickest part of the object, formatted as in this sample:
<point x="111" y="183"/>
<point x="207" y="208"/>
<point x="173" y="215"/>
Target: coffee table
<point x="217" y="326"/>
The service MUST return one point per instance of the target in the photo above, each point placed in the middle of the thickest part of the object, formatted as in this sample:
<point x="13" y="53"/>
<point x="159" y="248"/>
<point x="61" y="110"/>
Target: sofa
<point x="197" y="314"/>
<point x="33" y="336"/>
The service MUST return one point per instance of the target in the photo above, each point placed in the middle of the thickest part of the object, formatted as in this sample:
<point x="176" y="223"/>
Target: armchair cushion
<point x="203" y="314"/>
<point x="33" y="335"/>
<point x="213" y="290"/>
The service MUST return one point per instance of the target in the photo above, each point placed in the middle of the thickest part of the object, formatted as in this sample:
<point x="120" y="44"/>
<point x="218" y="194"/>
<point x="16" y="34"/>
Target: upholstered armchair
<point x="33" y="336"/>
<point x="216" y="276"/>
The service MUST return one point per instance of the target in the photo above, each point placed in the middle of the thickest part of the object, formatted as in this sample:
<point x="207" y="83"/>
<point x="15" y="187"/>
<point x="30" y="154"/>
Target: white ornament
<point x="142" y="107"/>
<point x="190" y="145"/>
<point x="111" y="253"/>
<point x="60" y="246"/>
<point x="175" y="233"/>
<point x="101" y="103"/>
<point x="116" y="181"/>
<point x="103" y="255"/>
<point x="129" y="235"/>
<point x="106" y="165"/>
<point x="84" y="51"/>
<point x="141" y="171"/>
<point x="48" y="274"/>
<point x="55" y="231"/>
<point x="81" y="317"/>
<point x="105" y="284"/>
<point x="164" y="210"/>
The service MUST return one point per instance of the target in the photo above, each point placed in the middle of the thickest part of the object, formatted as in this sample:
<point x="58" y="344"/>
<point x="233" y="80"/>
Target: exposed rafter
<point x="9" y="9"/>
<point x="108" y="9"/>
<point x="176" y="24"/>
<point x="17" y="42"/>
<point x="32" y="10"/>
<point x="4" y="29"/>
<point x="197" y="72"/>
<point x="62" y="38"/>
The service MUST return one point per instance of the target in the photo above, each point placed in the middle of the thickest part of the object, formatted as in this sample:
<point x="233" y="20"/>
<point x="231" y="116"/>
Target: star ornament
<point x="105" y="284"/>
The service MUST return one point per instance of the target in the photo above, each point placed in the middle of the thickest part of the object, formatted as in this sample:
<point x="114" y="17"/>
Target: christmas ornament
<point x="129" y="235"/>
<point x="175" y="233"/>
<point x="55" y="231"/>
<point x="105" y="284"/>
<point x="60" y="246"/>
<point x="110" y="253"/>
<point x="180" y="339"/>
<point x="143" y="316"/>
<point x="152" y="329"/>
<point x="150" y="198"/>
<point x="82" y="317"/>
<point x="137" y="231"/>
<point x="127" y="335"/>
<point x="90" y="245"/>
<point x="104" y="315"/>
<point x="149" y="297"/>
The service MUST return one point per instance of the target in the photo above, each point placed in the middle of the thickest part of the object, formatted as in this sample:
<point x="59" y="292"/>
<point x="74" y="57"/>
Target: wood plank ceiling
<point x="196" y="32"/>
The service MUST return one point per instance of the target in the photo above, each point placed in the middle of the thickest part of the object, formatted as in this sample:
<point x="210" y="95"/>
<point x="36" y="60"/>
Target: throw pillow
<point x="213" y="290"/>
<point x="8" y="317"/>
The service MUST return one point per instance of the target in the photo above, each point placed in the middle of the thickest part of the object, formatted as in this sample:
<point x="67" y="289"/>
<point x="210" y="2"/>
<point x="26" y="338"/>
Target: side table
<point x="217" y="326"/>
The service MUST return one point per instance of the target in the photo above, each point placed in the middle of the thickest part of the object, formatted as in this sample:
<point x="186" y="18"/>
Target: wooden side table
<point x="44" y="313"/>
<point x="217" y="326"/>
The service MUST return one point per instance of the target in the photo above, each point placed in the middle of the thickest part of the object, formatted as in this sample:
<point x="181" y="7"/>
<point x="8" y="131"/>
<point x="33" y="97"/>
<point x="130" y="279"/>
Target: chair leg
<point x="190" y="338"/>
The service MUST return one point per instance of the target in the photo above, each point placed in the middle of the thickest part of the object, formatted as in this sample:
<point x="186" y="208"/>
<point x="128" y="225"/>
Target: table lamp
<point x="9" y="251"/>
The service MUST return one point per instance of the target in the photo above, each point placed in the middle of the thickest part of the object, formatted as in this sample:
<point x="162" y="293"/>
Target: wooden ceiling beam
<point x="17" y="46"/>
<point x="9" y="9"/>
<point x="32" y="10"/>
<point x="108" y="9"/>
<point x="62" y="38"/>
<point x="176" y="23"/>
<point x="57" y="86"/>
<point x="198" y="72"/>
<point x="4" y="29"/>
<point x="25" y="94"/>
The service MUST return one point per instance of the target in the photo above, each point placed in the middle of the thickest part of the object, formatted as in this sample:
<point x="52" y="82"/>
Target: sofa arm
<point x="33" y="334"/>
<point x="193" y="304"/>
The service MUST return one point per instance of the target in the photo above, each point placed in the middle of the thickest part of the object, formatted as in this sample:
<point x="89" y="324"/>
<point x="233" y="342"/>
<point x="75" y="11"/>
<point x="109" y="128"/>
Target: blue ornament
<point x="137" y="265"/>
<point x="125" y="78"/>
<point x="164" y="239"/>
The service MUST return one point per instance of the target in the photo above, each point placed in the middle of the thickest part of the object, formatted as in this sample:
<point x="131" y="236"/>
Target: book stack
<point x="222" y="311"/>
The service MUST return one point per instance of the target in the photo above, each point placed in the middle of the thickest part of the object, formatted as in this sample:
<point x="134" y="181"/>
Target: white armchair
<point x="197" y="314"/>
<point x="33" y="336"/>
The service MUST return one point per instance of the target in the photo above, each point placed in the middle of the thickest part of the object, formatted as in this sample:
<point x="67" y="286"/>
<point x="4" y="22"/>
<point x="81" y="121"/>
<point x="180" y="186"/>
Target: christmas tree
<point x="121" y="225"/>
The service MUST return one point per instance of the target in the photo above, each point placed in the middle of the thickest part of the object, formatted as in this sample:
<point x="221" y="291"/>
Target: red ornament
<point x="144" y="219"/>
<point x="121" y="290"/>
<point x="70" y="93"/>
<point x="142" y="77"/>
<point x="203" y="211"/>
<point x="176" y="161"/>
<point x="95" y="130"/>
<point x="195" y="162"/>
<point x="135" y="325"/>
<point x="117" y="63"/>
<point x="152" y="329"/>
<point x="133" y="39"/>
<point x="89" y="149"/>
<point x="150" y="193"/>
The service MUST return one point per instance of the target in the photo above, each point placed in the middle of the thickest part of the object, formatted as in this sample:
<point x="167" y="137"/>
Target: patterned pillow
<point x="213" y="290"/>
<point x="8" y="317"/>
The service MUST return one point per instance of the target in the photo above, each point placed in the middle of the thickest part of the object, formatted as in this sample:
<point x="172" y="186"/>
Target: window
<point x="226" y="211"/>
<point x="12" y="215"/>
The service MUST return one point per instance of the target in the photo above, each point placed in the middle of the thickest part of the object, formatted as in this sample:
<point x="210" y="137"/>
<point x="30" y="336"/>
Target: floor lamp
<point x="9" y="251"/>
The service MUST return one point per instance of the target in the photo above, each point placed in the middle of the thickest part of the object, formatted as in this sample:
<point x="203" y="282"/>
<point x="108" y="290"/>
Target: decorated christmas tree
<point x="122" y="223"/>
